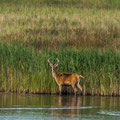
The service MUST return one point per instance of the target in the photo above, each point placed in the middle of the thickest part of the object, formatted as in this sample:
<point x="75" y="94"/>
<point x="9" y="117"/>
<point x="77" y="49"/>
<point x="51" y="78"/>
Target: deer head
<point x="53" y="65"/>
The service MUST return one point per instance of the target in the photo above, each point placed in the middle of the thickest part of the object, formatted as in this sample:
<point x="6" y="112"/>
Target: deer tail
<point x="80" y="76"/>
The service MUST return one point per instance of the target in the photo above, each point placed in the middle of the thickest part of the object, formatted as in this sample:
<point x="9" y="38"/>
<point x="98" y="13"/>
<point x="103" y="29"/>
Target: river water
<point x="54" y="107"/>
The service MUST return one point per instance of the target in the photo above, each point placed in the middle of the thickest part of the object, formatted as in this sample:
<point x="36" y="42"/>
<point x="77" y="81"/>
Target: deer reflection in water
<point x="69" y="104"/>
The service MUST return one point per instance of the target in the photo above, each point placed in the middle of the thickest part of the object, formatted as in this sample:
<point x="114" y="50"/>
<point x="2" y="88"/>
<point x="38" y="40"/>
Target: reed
<point x="26" y="70"/>
<point x="33" y="31"/>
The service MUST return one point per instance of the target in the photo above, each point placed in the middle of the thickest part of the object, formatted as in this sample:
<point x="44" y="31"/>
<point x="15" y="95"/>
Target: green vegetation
<point x="33" y="31"/>
<point x="26" y="70"/>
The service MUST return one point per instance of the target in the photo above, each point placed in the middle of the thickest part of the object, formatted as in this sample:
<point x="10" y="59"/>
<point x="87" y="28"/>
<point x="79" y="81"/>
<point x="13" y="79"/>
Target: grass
<point x="45" y="23"/>
<point x="33" y="31"/>
<point x="27" y="70"/>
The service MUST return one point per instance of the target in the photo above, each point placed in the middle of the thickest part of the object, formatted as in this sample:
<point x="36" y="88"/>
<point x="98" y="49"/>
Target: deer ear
<point x="57" y="63"/>
<point x="81" y="76"/>
<point x="50" y="64"/>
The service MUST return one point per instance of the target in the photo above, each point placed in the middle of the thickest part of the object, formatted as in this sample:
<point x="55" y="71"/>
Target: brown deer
<point x="61" y="78"/>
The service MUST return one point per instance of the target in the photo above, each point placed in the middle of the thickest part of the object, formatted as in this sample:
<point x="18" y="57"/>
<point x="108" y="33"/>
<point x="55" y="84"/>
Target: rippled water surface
<point x="39" y="107"/>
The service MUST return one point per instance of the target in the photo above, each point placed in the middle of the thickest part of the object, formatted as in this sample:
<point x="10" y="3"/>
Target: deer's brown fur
<point x="62" y="78"/>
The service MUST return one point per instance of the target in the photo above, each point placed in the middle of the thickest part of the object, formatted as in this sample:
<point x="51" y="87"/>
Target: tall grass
<point x="33" y="31"/>
<point x="26" y="70"/>
<point x="61" y="23"/>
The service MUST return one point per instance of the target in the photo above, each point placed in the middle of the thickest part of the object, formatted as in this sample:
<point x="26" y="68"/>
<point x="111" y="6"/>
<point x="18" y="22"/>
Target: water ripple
<point x="112" y="113"/>
<point x="52" y="108"/>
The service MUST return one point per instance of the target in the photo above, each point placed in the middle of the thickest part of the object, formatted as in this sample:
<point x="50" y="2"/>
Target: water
<point x="53" y="107"/>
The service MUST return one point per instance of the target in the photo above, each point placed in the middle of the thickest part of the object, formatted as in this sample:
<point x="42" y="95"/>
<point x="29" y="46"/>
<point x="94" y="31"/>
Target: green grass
<point x="26" y="70"/>
<point x="83" y="34"/>
<point x="47" y="23"/>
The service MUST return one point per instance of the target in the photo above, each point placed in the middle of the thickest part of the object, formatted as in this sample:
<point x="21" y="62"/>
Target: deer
<point x="62" y="78"/>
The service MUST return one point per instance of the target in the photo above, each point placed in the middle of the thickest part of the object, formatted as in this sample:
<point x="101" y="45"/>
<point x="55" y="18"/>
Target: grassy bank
<point x="33" y="31"/>
<point x="61" y="23"/>
<point x="27" y="70"/>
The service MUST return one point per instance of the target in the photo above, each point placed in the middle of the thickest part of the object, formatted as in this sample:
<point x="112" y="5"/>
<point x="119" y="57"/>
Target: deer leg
<point x="60" y="90"/>
<point x="79" y="86"/>
<point x="75" y="89"/>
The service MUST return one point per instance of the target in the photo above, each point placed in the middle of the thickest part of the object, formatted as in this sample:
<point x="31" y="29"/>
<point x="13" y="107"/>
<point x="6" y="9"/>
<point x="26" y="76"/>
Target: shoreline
<point x="63" y="94"/>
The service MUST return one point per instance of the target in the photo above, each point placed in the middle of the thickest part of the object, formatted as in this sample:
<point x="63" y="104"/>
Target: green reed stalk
<point x="26" y="70"/>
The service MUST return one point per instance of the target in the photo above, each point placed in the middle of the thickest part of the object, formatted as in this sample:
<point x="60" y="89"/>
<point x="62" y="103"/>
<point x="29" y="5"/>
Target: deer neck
<point x="54" y="73"/>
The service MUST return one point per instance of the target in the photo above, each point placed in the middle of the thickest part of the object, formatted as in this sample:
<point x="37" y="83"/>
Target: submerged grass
<point x="27" y="70"/>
